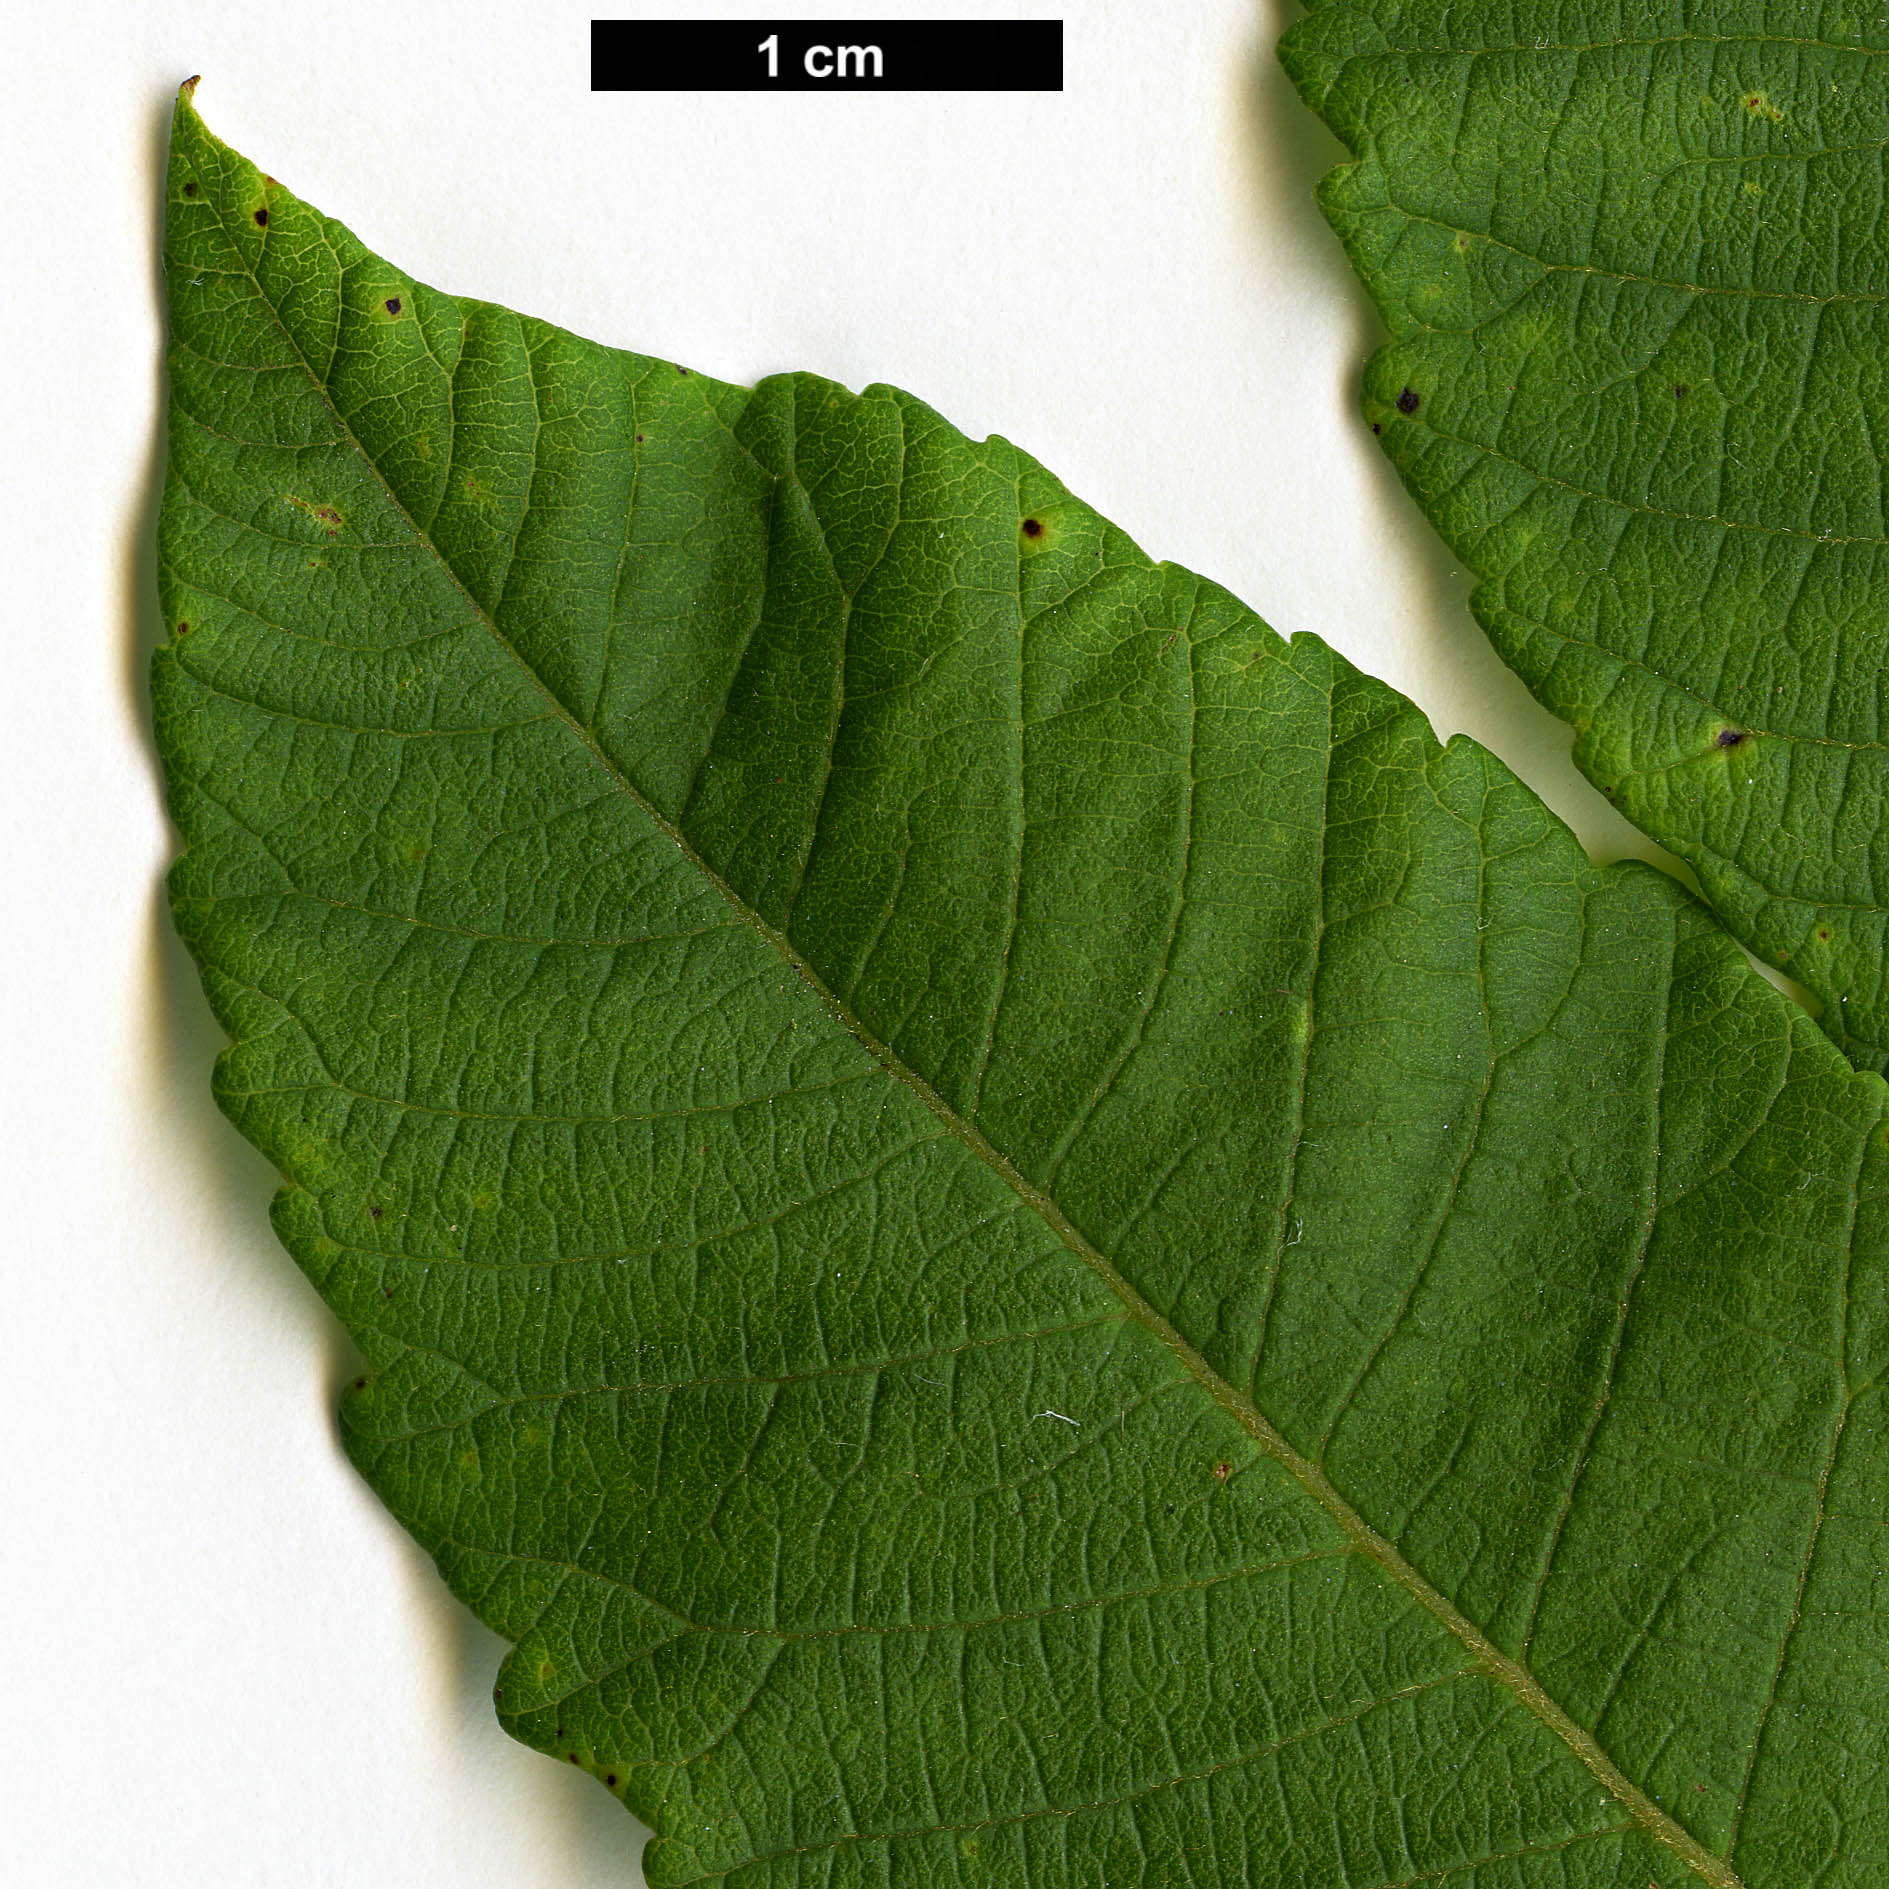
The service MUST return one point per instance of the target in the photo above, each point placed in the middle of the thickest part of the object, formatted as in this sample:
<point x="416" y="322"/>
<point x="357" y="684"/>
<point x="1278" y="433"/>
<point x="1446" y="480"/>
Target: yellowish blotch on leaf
<point x="328" y="517"/>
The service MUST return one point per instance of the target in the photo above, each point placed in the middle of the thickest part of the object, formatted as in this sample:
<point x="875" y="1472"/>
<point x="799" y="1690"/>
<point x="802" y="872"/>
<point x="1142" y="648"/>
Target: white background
<point x="224" y="1664"/>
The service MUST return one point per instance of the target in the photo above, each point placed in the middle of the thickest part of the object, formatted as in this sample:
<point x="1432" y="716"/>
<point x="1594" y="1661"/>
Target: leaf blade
<point x="475" y="874"/>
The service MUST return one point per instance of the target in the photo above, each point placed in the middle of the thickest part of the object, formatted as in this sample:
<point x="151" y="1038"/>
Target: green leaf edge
<point x="1310" y="69"/>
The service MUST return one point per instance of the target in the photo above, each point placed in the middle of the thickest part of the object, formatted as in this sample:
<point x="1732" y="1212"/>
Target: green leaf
<point x="1015" y="1234"/>
<point x="1636" y="274"/>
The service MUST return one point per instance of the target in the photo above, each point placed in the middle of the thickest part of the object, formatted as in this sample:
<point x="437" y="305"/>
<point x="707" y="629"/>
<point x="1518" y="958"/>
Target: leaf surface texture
<point x="1014" y="1233"/>
<point x="1635" y="268"/>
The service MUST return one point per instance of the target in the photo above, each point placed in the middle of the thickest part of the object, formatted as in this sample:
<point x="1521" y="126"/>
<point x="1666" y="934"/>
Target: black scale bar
<point x="826" y="55"/>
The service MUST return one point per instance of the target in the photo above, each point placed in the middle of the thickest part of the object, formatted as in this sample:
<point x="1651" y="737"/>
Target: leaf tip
<point x="186" y="103"/>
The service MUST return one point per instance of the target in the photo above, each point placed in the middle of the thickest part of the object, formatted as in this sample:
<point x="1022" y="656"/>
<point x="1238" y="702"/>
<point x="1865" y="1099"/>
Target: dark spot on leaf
<point x="262" y="219"/>
<point x="1824" y="935"/>
<point x="183" y="629"/>
<point x="1033" y="527"/>
<point x="1681" y="390"/>
<point x="1376" y="426"/>
<point x="610" y="1779"/>
<point x="1409" y="400"/>
<point x="360" y="1383"/>
<point x="375" y="1212"/>
<point x="639" y="439"/>
<point x="682" y="370"/>
<point x="1221" y="1471"/>
<point x="1732" y="737"/>
<point x="573" y="1757"/>
<point x="190" y="189"/>
<point x="392" y="304"/>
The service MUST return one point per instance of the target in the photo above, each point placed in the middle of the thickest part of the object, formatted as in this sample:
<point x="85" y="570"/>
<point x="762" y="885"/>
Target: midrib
<point x="1496" y="1664"/>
